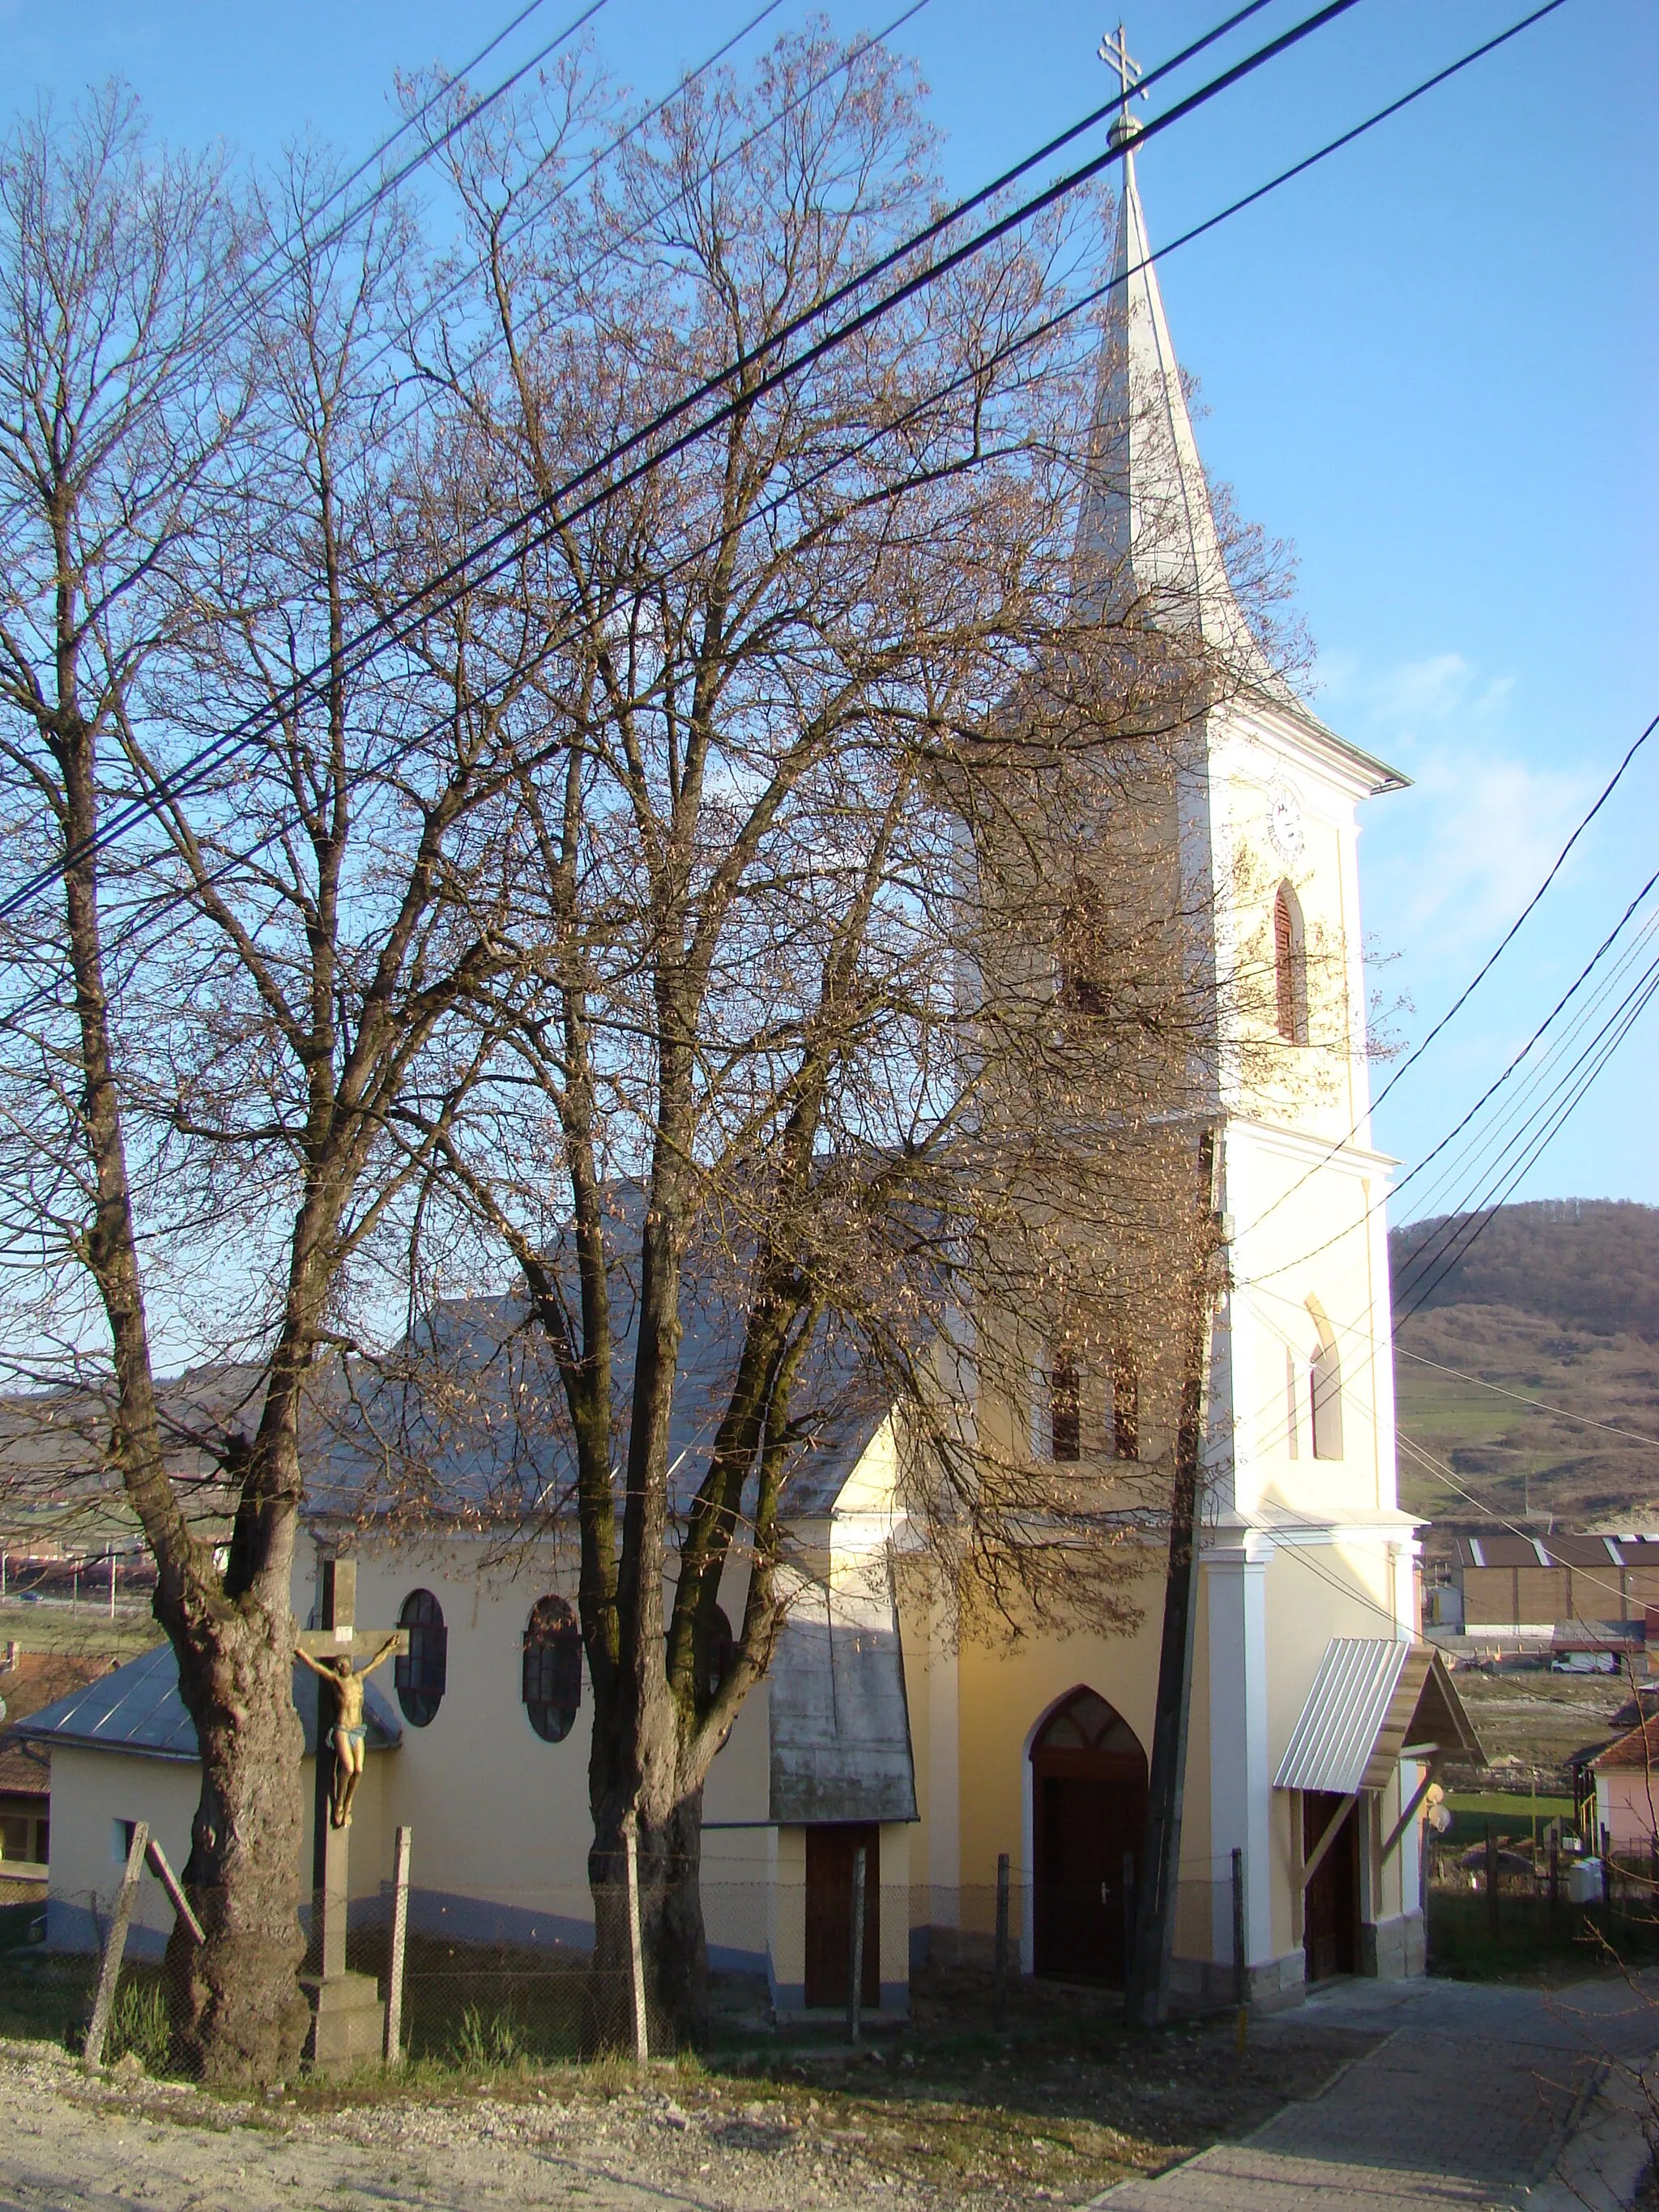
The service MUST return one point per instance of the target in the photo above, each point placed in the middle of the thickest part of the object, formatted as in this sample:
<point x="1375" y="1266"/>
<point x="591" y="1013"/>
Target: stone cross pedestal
<point x="347" y="2011"/>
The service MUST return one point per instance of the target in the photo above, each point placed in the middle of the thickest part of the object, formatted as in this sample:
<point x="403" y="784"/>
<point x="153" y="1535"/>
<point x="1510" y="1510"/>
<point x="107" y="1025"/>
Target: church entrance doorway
<point x="830" y="1913"/>
<point x="1330" y="1912"/>
<point x="1088" y="1819"/>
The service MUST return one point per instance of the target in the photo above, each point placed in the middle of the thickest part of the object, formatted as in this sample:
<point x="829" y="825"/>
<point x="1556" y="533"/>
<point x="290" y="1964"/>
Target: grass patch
<point x="1508" y="1805"/>
<point x="1529" y="1945"/>
<point x="138" y="2023"/>
<point x="45" y="1997"/>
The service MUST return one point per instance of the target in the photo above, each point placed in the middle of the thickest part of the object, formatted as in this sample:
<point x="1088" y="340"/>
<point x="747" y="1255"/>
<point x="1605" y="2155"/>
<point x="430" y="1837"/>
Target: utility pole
<point x="1146" y="1992"/>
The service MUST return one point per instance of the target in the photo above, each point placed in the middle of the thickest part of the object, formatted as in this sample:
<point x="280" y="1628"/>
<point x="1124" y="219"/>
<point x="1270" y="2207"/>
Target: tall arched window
<point x="1325" y="1378"/>
<point x="1084" y="988"/>
<point x="421" y="1674"/>
<point x="552" y="1668"/>
<point x="1289" y="968"/>
<point x="1065" y="1409"/>
<point x="1126" y="1403"/>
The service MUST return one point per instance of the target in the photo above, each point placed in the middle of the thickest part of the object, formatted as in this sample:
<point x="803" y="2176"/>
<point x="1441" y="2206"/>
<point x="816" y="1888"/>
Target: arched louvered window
<point x="717" y="1659"/>
<point x="1325" y="1374"/>
<point x="1289" y="968"/>
<point x="1065" y="1409"/>
<point x="421" y="1674"/>
<point x="552" y="1668"/>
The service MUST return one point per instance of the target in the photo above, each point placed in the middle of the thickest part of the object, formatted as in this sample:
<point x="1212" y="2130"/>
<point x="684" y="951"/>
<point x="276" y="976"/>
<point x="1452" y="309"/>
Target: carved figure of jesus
<point x="349" y="1731"/>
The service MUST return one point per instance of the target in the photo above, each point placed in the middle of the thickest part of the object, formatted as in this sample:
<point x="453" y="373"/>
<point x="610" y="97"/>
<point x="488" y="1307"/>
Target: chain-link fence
<point x="1516" y="1901"/>
<point x="480" y="1983"/>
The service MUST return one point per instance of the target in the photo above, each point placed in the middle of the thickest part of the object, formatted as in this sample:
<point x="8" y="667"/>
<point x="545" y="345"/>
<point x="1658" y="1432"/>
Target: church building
<point x="1317" y="1712"/>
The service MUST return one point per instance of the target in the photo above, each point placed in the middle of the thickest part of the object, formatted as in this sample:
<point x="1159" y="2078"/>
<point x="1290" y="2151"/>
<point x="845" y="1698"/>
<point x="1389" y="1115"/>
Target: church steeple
<point x="1148" y="550"/>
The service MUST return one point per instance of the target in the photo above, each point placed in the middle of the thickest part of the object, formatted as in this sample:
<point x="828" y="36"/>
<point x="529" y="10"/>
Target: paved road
<point x="1466" y="2104"/>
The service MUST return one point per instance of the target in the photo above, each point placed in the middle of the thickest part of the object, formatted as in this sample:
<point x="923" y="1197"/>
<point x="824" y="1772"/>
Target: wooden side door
<point x="830" y="1913"/>
<point x="1330" y="1913"/>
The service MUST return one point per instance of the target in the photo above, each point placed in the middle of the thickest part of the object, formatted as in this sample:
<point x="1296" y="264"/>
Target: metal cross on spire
<point x="1115" y="53"/>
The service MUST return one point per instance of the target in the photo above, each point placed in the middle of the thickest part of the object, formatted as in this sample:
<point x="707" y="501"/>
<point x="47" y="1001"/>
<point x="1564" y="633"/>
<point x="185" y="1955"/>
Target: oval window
<point x="552" y="1668"/>
<point x="421" y="1674"/>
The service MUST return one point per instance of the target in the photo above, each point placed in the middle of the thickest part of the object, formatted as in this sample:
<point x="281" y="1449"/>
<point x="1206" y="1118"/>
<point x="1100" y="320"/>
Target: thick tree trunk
<point x="238" y="2014"/>
<point x="674" y="1946"/>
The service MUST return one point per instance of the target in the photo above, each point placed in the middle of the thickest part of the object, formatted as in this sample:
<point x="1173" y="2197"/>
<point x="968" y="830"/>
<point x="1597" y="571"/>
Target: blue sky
<point x="1429" y="365"/>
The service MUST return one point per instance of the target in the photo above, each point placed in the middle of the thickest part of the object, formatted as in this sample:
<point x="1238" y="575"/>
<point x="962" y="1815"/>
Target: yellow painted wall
<point x="498" y="1814"/>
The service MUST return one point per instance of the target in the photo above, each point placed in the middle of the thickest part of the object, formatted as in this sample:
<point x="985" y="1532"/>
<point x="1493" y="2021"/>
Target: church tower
<point x="1304" y="1538"/>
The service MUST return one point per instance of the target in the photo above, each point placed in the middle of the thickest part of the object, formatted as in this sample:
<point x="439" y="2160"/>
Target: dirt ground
<point x="1537" y="1719"/>
<point x="1031" y="2117"/>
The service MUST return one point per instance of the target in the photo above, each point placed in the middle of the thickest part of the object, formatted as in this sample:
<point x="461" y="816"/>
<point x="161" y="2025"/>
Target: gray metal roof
<point x="1332" y="1741"/>
<point x="1371" y="1698"/>
<point x="139" y="1710"/>
<point x="840" y="1721"/>
<point x="478" y="1423"/>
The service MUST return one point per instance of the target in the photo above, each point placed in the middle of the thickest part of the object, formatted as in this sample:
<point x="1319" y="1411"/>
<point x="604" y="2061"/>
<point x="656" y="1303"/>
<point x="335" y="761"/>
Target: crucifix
<point x="349" y="2015"/>
<point x="1115" y="53"/>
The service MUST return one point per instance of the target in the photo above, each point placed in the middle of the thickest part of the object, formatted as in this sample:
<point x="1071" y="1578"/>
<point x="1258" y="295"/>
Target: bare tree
<point x="222" y="981"/>
<point x="851" y="1003"/>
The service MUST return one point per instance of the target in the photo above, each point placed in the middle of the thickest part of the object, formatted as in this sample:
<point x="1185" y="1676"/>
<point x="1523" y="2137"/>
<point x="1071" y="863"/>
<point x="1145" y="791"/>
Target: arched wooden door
<point x="1089" y="1815"/>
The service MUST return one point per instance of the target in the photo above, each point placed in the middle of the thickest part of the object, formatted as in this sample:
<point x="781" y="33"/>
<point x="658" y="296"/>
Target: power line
<point x="1064" y="316"/>
<point x="1480" y="975"/>
<point x="571" y="285"/>
<point x="1011" y="348"/>
<point x="1492" y="1088"/>
<point x="245" y="304"/>
<point x="1428" y="1460"/>
<point x="552" y="509"/>
<point x="41" y="995"/>
<point x="1577" y="1082"/>
<point x="1537" y="1404"/>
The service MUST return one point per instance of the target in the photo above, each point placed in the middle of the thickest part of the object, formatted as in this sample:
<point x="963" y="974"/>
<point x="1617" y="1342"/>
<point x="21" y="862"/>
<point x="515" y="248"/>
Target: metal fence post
<point x="1607" y="1921"/>
<point x="855" y="1989"/>
<point x="1000" y="1995"/>
<point x="394" y="1993"/>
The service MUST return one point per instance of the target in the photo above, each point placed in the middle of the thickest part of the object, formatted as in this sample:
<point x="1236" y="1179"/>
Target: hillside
<point x="1559" y="1301"/>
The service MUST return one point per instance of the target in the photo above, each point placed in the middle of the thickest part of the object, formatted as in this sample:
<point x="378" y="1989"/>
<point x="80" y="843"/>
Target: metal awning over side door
<point x="1373" y="1699"/>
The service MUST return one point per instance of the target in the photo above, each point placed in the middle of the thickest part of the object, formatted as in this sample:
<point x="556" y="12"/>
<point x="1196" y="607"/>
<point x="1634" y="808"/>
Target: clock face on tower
<point x="1285" y="820"/>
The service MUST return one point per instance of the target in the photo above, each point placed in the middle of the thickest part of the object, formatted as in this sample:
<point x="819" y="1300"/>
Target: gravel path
<point x="144" y="2147"/>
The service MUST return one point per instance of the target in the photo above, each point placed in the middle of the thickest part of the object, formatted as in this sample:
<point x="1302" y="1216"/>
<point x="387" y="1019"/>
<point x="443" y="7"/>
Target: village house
<point x="1617" y="1792"/>
<point x="29" y="1681"/>
<point x="1317" y="1714"/>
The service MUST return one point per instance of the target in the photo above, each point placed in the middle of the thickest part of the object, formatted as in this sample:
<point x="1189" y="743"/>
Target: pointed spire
<point x="1147" y="543"/>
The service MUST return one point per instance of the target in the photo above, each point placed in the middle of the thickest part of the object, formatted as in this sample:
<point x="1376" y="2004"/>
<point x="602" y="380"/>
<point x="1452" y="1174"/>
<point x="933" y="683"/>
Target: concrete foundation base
<point x="1395" y="1949"/>
<point x="1203" y="1984"/>
<point x="348" y="2021"/>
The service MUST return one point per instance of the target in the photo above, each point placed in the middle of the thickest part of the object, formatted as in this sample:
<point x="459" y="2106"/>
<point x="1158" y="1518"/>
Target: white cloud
<point x="1451" y="862"/>
<point x="1399" y="699"/>
<point x="1463" y="850"/>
